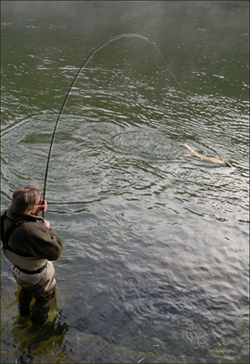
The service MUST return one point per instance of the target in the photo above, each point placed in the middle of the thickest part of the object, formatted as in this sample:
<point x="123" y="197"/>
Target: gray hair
<point x="25" y="197"/>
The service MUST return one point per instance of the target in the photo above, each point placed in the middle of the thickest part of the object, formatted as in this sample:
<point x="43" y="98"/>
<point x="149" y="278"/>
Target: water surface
<point x="156" y="260"/>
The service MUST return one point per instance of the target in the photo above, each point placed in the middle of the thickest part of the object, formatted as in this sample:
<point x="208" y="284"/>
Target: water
<point x="155" y="266"/>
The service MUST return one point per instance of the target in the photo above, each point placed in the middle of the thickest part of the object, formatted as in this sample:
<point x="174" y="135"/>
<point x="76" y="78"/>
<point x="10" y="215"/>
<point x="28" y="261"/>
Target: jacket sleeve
<point x="40" y="242"/>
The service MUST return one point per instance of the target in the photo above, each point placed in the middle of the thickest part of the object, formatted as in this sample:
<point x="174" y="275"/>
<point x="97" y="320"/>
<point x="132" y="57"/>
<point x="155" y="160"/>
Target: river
<point x="155" y="266"/>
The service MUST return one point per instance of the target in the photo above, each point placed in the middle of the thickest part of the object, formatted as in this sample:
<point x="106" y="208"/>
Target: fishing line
<point x="75" y="79"/>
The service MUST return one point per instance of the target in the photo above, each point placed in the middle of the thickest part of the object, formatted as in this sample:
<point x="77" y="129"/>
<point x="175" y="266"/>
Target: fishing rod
<point x="74" y="81"/>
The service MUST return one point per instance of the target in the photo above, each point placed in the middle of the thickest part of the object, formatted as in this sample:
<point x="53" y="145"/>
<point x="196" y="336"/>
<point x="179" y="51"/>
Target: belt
<point x="31" y="271"/>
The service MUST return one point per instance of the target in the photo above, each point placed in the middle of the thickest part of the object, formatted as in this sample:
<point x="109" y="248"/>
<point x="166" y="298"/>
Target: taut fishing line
<point x="74" y="81"/>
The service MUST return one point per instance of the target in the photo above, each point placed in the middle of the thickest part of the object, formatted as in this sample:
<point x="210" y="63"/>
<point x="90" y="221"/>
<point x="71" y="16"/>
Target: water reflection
<point x="23" y="341"/>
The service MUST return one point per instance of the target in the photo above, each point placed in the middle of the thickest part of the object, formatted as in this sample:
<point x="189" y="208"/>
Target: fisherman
<point x="31" y="245"/>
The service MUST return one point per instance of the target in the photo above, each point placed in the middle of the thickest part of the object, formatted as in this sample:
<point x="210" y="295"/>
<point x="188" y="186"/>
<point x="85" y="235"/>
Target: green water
<point x="155" y="266"/>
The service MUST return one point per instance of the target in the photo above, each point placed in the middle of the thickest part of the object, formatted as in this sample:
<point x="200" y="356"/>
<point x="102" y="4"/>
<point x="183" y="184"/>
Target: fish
<point x="204" y="158"/>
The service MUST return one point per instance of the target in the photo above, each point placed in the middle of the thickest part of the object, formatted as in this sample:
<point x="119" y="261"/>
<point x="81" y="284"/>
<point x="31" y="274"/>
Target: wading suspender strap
<point x="5" y="236"/>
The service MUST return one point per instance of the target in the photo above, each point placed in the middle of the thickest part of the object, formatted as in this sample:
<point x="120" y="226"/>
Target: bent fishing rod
<point x="74" y="81"/>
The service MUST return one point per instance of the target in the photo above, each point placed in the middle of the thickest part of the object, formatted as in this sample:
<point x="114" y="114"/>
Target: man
<point x="30" y="244"/>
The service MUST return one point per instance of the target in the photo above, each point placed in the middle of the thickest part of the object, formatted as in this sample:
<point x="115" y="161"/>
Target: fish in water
<point x="204" y="158"/>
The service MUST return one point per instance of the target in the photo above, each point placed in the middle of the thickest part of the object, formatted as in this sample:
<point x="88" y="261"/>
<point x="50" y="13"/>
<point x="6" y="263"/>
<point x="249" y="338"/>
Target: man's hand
<point x="46" y="223"/>
<point x="42" y="206"/>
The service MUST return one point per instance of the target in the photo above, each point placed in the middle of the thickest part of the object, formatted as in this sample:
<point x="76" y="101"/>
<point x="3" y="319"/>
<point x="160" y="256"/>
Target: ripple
<point x="163" y="336"/>
<point x="146" y="143"/>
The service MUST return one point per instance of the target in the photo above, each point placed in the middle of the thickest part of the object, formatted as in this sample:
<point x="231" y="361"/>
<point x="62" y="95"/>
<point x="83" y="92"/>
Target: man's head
<point x="26" y="198"/>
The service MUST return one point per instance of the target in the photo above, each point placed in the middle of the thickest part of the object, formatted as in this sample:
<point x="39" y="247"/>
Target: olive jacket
<point x="31" y="244"/>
